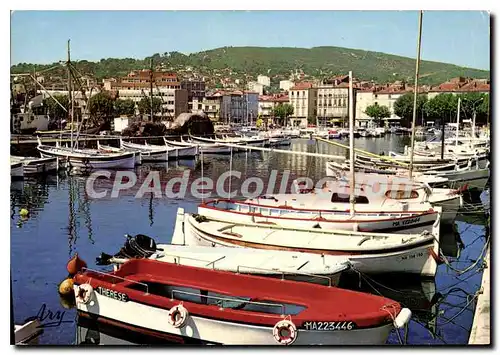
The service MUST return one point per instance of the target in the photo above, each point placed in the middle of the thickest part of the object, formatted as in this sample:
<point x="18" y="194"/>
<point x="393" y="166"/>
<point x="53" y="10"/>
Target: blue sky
<point x="458" y="37"/>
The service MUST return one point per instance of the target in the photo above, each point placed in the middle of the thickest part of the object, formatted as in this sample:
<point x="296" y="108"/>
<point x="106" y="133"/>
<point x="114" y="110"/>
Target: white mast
<point x="352" y="183"/>
<point x="416" y="91"/>
<point x="458" y="122"/>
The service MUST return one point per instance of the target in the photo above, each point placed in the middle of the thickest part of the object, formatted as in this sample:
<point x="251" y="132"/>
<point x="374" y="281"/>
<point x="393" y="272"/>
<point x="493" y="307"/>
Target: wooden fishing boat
<point x="108" y="148"/>
<point x="89" y="158"/>
<point x="326" y="209"/>
<point x="219" y="307"/>
<point x="34" y="166"/>
<point x="16" y="170"/>
<point x="403" y="189"/>
<point x="206" y="148"/>
<point x="147" y="154"/>
<point x="371" y="253"/>
<point x="176" y="153"/>
<point x="274" y="263"/>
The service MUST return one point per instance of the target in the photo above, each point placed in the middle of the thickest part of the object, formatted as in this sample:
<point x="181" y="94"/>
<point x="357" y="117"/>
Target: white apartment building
<point x="174" y="101"/>
<point x="385" y="97"/>
<point x="256" y="87"/>
<point x="264" y="80"/>
<point x="286" y="85"/>
<point x="268" y="103"/>
<point x="303" y="98"/>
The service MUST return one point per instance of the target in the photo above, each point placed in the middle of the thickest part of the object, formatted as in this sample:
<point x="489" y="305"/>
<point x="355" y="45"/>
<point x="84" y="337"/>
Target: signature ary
<point x="48" y="318"/>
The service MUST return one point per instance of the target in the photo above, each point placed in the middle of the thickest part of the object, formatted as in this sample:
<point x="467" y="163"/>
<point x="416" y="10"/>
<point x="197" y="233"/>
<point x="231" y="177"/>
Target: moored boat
<point x="16" y="170"/>
<point x="287" y="265"/>
<point x="371" y="253"/>
<point x="108" y="148"/>
<point x="33" y="165"/>
<point x="219" y="307"/>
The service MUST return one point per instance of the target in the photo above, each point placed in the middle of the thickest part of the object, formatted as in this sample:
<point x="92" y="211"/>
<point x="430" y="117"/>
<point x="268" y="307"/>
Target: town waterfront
<point x="64" y="220"/>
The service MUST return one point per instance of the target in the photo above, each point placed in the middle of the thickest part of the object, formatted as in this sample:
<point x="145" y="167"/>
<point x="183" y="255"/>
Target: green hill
<point x="317" y="62"/>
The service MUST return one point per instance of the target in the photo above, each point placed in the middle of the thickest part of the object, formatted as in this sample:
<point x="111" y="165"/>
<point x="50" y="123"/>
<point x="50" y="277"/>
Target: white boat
<point x="89" y="158"/>
<point x="211" y="306"/>
<point x="371" y="253"/>
<point x="28" y="333"/>
<point x="206" y="148"/>
<point x="108" y="148"/>
<point x="16" y="170"/>
<point x="147" y="153"/>
<point x="326" y="208"/>
<point x="403" y="189"/>
<point x="33" y="165"/>
<point x="287" y="265"/>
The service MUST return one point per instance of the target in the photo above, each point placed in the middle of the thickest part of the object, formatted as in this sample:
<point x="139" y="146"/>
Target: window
<point x="345" y="198"/>
<point x="376" y="96"/>
<point x="401" y="194"/>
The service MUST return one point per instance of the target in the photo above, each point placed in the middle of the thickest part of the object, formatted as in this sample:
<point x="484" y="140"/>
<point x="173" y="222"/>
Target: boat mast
<point x="417" y="67"/>
<point x="151" y="89"/>
<point x="352" y="183"/>
<point x="458" y="122"/>
<point x="70" y="92"/>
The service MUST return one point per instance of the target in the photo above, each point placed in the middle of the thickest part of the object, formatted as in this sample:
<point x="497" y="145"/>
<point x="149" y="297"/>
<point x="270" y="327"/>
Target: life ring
<point x="83" y="293"/>
<point x="285" y="332"/>
<point x="177" y="316"/>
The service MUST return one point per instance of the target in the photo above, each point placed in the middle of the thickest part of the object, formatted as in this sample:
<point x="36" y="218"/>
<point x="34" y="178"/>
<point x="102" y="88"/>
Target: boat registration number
<point x="112" y="294"/>
<point x="330" y="326"/>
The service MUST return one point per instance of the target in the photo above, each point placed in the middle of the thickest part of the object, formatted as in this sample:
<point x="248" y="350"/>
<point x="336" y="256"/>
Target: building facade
<point x="303" y="98"/>
<point x="195" y="89"/>
<point x="267" y="103"/>
<point x="256" y="87"/>
<point x="264" y="80"/>
<point x="286" y="85"/>
<point x="239" y="107"/>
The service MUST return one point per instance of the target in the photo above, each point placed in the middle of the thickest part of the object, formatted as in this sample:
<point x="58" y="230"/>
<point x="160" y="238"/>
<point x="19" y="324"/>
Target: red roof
<point x="302" y="86"/>
<point x="463" y="85"/>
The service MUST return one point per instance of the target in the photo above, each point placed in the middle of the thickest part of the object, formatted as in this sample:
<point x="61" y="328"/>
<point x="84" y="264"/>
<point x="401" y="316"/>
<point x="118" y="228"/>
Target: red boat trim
<point x="415" y="215"/>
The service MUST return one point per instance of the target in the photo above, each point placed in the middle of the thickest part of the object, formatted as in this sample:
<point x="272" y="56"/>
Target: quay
<point x="480" y="332"/>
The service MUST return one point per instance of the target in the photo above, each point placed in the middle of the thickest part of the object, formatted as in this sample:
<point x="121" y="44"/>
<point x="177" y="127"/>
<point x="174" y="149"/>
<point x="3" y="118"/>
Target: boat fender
<point x="403" y="318"/>
<point x="177" y="316"/>
<point x="83" y="293"/>
<point x="285" y="332"/>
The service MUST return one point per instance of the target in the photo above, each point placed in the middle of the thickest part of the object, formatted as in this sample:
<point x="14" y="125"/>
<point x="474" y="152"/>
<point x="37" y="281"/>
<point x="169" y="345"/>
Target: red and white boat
<point x="325" y="210"/>
<point x="219" y="307"/>
<point x="370" y="253"/>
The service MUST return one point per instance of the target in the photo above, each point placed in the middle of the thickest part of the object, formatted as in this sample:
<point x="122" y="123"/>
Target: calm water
<point x="64" y="220"/>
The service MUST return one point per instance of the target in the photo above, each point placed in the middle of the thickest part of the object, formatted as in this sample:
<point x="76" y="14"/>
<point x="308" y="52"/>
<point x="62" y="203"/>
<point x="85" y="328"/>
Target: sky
<point x="457" y="37"/>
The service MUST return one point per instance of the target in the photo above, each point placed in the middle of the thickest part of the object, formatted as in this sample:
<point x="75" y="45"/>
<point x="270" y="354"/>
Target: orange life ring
<point x="177" y="316"/>
<point x="285" y="332"/>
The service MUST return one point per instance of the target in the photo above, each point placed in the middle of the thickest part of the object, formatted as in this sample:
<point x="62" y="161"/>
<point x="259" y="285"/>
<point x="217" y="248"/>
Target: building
<point x="166" y="86"/>
<point x="212" y="106"/>
<point x="141" y="79"/>
<point x="303" y="98"/>
<point x="174" y="101"/>
<point x="268" y="102"/>
<point x="239" y="107"/>
<point x="460" y="85"/>
<point x="333" y="100"/>
<point x="286" y="85"/>
<point x="195" y="89"/>
<point x="256" y="87"/>
<point x="264" y="80"/>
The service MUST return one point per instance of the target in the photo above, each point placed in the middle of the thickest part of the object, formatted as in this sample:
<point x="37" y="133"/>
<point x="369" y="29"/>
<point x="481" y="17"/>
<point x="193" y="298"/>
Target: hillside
<point x="317" y="62"/>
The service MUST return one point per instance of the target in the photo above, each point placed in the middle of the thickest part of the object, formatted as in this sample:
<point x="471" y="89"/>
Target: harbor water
<point x="63" y="219"/>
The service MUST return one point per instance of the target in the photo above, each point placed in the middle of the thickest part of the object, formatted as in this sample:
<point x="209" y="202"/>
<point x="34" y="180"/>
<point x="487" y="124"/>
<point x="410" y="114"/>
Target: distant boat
<point x="89" y="158"/>
<point x="206" y="148"/>
<point x="160" y="153"/>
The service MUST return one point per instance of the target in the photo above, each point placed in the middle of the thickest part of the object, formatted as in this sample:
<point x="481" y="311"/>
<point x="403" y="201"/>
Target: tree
<point x="474" y="101"/>
<point x="403" y="107"/>
<point x="125" y="107"/>
<point x="145" y="105"/>
<point x="282" y="112"/>
<point x="442" y="106"/>
<point x="54" y="110"/>
<point x="100" y="107"/>
<point x="378" y="113"/>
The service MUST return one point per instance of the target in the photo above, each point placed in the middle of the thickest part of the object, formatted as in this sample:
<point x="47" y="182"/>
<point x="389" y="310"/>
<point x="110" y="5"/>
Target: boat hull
<point x="17" y="171"/>
<point x="145" y="319"/>
<point x="418" y="260"/>
<point x="394" y="222"/>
